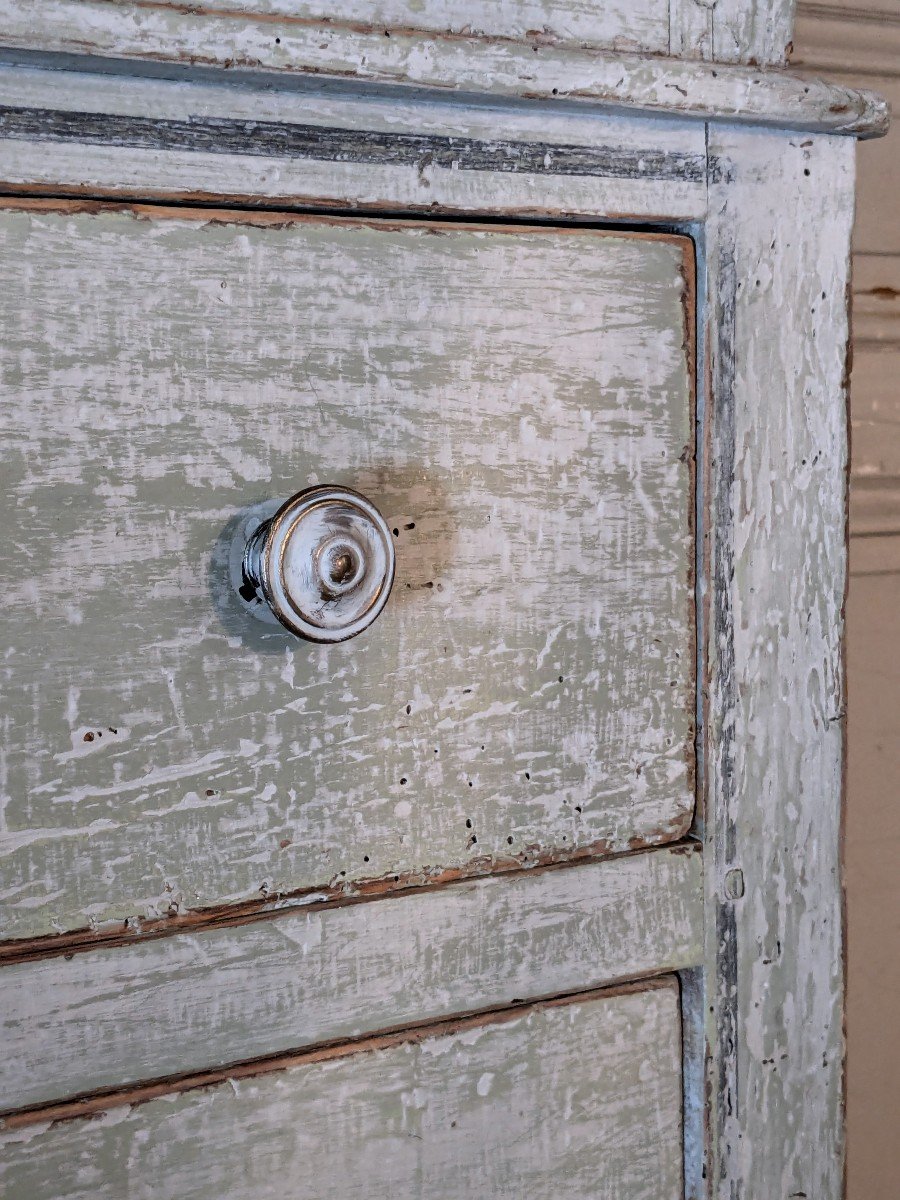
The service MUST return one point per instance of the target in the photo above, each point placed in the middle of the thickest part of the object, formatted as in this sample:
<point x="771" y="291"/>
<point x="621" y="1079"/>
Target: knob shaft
<point x="324" y="563"/>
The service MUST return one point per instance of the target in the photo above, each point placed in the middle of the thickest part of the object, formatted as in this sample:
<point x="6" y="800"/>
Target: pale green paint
<point x="521" y="396"/>
<point x="200" y="1000"/>
<point x="582" y="1100"/>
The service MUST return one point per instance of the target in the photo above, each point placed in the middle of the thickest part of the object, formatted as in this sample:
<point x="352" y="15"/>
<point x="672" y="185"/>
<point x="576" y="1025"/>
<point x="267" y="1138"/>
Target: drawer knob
<point x="324" y="564"/>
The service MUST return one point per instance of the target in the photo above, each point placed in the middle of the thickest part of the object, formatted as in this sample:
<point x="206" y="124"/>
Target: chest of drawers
<point x="533" y="886"/>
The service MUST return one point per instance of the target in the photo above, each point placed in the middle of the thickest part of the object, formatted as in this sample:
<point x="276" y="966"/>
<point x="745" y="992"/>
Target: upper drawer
<point x="516" y="401"/>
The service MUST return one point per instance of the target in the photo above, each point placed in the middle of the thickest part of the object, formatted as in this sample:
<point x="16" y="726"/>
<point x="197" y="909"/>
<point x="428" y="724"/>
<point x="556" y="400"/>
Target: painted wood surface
<point x="533" y="70"/>
<point x="267" y="140"/>
<point x="636" y="25"/>
<point x="779" y="268"/>
<point x="750" y="31"/>
<point x="578" y="1100"/>
<point x="517" y="403"/>
<point x="728" y="30"/>
<point x="199" y="1000"/>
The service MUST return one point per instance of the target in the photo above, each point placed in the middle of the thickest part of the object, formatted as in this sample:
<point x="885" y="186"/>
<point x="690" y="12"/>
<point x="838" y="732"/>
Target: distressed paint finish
<point x="305" y="148"/>
<point x="751" y="33"/>
<point x="727" y="30"/>
<point x="732" y="30"/>
<point x="266" y="141"/>
<point x="228" y="994"/>
<point x="515" y="1107"/>
<point x="517" y="403"/>
<point x="773" y="567"/>
<point x="505" y="68"/>
<point x="103" y="25"/>
<point x="779" y="249"/>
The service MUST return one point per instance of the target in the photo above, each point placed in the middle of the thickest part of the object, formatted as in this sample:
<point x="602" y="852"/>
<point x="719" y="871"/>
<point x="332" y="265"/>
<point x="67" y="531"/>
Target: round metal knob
<point x="324" y="563"/>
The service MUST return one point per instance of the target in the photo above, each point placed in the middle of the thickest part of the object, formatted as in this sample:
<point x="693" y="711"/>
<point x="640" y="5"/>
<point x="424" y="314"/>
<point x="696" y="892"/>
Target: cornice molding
<point x="459" y="65"/>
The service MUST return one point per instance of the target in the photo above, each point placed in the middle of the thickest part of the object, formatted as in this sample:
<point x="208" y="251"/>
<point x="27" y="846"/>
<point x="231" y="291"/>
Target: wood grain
<point x="190" y="1002"/>
<point x="511" y="1108"/>
<point x="517" y="403"/>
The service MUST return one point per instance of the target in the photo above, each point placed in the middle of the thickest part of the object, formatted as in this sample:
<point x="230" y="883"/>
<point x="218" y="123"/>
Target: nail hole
<point x="734" y="884"/>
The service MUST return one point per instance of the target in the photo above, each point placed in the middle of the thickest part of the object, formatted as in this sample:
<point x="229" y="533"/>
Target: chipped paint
<point x="383" y="1121"/>
<point x="274" y="362"/>
<point x="227" y="993"/>
<point x="778" y="267"/>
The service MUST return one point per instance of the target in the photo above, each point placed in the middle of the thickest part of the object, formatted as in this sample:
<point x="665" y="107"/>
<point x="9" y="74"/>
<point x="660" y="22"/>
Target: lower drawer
<point x="566" y="1099"/>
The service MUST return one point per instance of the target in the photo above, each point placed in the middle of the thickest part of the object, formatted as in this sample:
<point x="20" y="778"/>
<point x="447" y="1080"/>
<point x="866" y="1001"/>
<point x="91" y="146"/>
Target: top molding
<point x="536" y="66"/>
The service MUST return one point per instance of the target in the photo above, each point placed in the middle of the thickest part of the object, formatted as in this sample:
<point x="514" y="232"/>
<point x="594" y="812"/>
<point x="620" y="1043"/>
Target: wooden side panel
<point x="195" y="1001"/>
<point x="580" y="1100"/>
<point x="776" y="707"/>
<point x="516" y="402"/>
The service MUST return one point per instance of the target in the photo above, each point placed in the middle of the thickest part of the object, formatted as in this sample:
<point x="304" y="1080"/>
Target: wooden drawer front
<point x="160" y="1007"/>
<point x="581" y="1099"/>
<point x="517" y="402"/>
